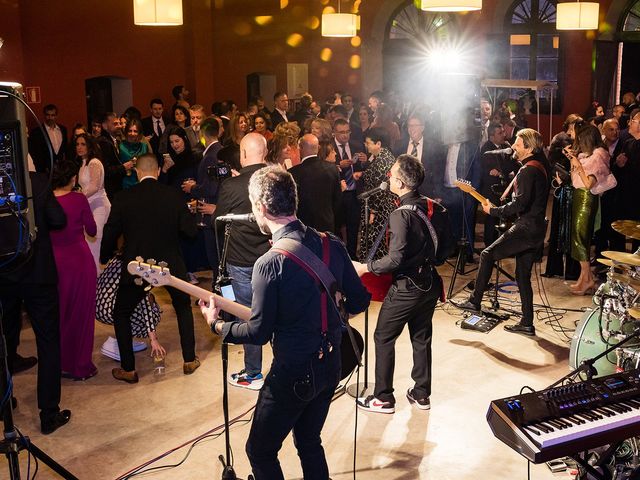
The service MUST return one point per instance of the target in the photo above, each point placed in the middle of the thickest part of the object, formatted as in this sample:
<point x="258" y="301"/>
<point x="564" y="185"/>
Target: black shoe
<point x="421" y="403"/>
<point x="521" y="329"/>
<point x="468" y="305"/>
<point x="20" y="363"/>
<point x="51" y="423"/>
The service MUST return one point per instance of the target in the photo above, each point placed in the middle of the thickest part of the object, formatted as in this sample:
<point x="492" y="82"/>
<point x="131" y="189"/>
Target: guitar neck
<point x="477" y="196"/>
<point x="229" y="306"/>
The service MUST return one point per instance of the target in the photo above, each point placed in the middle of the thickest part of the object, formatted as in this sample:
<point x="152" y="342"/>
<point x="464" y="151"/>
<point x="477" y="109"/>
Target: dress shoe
<point x="468" y="305"/>
<point x="20" y="363"/>
<point x="521" y="329"/>
<point x="51" y="423"/>
<point x="189" y="367"/>
<point x="120" y="374"/>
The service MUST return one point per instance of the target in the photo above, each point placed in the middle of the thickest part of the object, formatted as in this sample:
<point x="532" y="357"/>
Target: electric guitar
<point x="158" y="275"/>
<point x="465" y="186"/>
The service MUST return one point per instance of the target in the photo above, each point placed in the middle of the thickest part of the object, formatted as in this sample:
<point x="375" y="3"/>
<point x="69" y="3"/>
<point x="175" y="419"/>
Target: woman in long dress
<point x="91" y="179"/>
<point x="589" y="166"/>
<point x="76" y="276"/>
<point x="381" y="204"/>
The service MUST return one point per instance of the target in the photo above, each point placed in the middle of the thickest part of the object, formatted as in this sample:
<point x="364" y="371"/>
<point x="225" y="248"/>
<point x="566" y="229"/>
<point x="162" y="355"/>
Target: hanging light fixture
<point x="339" y="24"/>
<point x="577" y="16"/>
<point x="157" y="13"/>
<point x="449" y="5"/>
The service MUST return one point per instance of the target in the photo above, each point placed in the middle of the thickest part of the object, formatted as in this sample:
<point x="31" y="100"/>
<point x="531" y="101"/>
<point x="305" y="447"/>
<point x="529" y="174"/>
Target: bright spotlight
<point x="445" y="59"/>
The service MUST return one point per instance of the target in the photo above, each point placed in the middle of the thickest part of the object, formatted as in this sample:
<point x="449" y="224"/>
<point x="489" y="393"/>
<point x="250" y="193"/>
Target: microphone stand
<point x="228" y="473"/>
<point x="358" y="390"/>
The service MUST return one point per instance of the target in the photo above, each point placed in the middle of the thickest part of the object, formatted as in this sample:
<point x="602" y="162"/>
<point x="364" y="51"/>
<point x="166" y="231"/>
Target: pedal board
<point x="495" y="315"/>
<point x="479" y="323"/>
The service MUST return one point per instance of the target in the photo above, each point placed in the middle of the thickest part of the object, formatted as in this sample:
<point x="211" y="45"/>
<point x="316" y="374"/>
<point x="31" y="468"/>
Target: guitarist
<point x="525" y="238"/>
<point x="420" y="239"/>
<point x="286" y="309"/>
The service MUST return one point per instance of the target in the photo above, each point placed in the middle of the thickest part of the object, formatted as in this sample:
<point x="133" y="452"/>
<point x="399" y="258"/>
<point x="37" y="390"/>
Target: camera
<point x="219" y="171"/>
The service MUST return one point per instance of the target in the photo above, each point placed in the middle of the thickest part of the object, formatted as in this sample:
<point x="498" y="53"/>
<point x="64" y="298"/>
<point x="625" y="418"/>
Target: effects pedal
<point x="479" y="323"/>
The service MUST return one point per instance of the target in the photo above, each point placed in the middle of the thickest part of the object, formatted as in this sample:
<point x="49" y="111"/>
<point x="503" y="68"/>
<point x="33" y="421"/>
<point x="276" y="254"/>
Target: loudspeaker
<point x="16" y="203"/>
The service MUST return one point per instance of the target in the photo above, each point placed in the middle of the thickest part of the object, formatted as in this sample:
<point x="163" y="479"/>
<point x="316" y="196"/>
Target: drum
<point x="594" y="335"/>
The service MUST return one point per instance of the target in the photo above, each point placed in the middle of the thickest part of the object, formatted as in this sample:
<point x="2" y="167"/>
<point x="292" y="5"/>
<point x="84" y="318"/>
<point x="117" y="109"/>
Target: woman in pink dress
<point x="76" y="276"/>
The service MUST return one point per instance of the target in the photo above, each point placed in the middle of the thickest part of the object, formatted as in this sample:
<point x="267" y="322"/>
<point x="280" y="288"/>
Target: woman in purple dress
<point x="76" y="276"/>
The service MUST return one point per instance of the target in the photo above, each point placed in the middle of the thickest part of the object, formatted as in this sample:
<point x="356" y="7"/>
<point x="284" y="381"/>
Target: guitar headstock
<point x="156" y="275"/>
<point x="464" y="185"/>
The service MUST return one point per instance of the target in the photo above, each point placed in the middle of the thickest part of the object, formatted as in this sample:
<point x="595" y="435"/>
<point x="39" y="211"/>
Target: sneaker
<point x="138" y="345"/>
<point x="372" y="404"/>
<point x="110" y="349"/>
<point x="193" y="280"/>
<point x="244" y="380"/>
<point x="421" y="403"/>
<point x="468" y="305"/>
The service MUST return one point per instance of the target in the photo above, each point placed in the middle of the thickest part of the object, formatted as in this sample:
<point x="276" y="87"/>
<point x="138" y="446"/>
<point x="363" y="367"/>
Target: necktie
<point x="158" y="128"/>
<point x="414" y="150"/>
<point x="347" y="172"/>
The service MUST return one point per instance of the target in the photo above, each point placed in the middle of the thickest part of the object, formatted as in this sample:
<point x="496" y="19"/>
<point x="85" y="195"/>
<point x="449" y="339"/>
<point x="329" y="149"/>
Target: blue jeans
<point x="241" y="283"/>
<point x="293" y="401"/>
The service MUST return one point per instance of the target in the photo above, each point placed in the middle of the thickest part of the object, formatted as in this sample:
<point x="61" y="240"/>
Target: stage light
<point x="577" y="16"/>
<point x="449" y="5"/>
<point x="157" y="13"/>
<point x="339" y="24"/>
<point x="446" y="59"/>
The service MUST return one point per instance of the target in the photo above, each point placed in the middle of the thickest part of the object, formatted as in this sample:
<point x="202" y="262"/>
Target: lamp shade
<point x="157" y="12"/>
<point x="450" y="5"/>
<point x="339" y="25"/>
<point x="577" y="16"/>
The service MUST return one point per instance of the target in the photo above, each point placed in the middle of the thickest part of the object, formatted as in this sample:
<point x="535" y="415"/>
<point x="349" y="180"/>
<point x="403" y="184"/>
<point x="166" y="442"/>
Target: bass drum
<point x="588" y="341"/>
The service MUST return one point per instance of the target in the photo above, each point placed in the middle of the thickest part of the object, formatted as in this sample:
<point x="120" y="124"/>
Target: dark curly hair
<point x="63" y="172"/>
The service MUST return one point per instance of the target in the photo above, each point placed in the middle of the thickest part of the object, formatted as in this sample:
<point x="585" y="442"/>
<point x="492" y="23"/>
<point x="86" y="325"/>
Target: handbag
<point x="607" y="184"/>
<point x="145" y="316"/>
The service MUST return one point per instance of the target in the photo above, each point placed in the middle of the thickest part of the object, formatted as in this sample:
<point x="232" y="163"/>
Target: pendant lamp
<point x="157" y="13"/>
<point x="449" y="5"/>
<point x="577" y="16"/>
<point x="339" y="24"/>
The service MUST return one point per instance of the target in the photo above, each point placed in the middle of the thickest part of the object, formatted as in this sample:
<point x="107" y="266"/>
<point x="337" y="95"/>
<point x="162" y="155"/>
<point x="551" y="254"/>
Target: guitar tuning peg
<point x="163" y="264"/>
<point x="138" y="281"/>
<point x="139" y="259"/>
<point x="151" y="261"/>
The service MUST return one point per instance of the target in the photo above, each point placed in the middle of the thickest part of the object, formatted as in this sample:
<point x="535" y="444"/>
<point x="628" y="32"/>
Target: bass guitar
<point x="158" y="275"/>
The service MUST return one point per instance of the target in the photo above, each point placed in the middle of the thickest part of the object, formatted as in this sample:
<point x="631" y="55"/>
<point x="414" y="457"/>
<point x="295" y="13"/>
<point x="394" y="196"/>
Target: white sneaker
<point x="372" y="404"/>
<point x="110" y="348"/>
<point x="138" y="345"/>
<point x="244" y="380"/>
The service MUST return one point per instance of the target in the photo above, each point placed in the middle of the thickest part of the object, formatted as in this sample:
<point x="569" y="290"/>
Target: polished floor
<point x="115" y="427"/>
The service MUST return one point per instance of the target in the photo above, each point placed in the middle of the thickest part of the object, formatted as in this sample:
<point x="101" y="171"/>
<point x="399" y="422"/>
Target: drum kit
<point x="617" y="312"/>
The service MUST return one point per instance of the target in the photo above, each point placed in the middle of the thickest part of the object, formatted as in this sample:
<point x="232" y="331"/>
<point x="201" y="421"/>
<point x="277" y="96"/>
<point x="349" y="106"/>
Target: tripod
<point x="13" y="442"/>
<point x="228" y="473"/>
<point x="358" y="390"/>
<point x="463" y="248"/>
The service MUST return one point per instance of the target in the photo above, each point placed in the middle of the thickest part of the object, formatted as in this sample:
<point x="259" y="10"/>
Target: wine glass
<point x="201" y="202"/>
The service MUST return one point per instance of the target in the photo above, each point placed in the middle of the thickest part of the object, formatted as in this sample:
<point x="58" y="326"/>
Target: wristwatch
<point x="215" y="324"/>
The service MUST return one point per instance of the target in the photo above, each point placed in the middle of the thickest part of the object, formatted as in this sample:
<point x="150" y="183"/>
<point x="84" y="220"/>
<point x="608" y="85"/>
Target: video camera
<point x="219" y="171"/>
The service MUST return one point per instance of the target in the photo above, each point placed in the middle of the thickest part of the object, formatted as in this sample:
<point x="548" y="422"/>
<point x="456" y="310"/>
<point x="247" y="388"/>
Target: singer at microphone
<point x="236" y="217"/>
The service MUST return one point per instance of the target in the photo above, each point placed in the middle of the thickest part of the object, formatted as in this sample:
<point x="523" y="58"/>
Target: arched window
<point x="631" y="21"/>
<point x="534" y="43"/>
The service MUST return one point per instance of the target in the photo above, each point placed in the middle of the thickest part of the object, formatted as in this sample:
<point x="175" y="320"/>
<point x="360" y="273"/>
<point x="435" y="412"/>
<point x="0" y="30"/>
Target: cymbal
<point x="623" y="257"/>
<point x="634" y="312"/>
<point x="621" y="277"/>
<point x="629" y="228"/>
<point x="611" y="263"/>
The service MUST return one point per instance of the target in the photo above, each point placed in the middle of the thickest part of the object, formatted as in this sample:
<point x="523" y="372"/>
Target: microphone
<point x="502" y="151"/>
<point x="380" y="188"/>
<point x="237" y="217"/>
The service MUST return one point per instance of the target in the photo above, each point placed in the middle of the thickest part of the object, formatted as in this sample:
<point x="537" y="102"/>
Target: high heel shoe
<point x="588" y="290"/>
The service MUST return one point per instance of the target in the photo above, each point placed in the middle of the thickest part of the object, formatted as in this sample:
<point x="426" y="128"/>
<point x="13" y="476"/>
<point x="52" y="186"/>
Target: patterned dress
<point x="381" y="205"/>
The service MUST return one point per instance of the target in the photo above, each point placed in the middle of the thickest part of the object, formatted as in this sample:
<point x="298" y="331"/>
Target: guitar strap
<point x="319" y="271"/>
<point x="533" y="163"/>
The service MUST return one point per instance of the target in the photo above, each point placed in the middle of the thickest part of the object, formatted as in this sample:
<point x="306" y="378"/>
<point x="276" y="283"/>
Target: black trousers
<point x="41" y="303"/>
<point x="351" y="217"/>
<point x="523" y="240"/>
<point x="127" y="298"/>
<point x="405" y="304"/>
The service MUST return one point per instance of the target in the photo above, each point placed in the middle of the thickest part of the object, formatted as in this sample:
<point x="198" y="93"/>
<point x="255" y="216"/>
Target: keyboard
<point x="565" y="420"/>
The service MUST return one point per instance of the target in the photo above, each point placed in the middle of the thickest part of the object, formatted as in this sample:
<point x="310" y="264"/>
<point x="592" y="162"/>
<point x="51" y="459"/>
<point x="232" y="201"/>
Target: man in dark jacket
<point x="525" y="238"/>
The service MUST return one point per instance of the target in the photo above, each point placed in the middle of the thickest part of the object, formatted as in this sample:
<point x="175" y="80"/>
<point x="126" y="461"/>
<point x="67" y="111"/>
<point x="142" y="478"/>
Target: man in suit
<point x="114" y="171"/>
<point x="154" y="126"/>
<point x="151" y="217"/>
<point x="56" y="136"/>
<point x="246" y="244"/>
<point x="340" y="112"/>
<point x="196" y="115"/>
<point x="35" y="283"/>
<point x="350" y="157"/>
<point x="207" y="186"/>
<point x="281" y="105"/>
<point x="318" y="187"/>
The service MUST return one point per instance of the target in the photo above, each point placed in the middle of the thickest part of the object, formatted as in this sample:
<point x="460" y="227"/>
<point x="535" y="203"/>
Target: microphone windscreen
<point x="384" y="186"/>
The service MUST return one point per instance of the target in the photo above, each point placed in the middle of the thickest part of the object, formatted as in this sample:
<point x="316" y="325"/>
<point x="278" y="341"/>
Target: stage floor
<point x="115" y="426"/>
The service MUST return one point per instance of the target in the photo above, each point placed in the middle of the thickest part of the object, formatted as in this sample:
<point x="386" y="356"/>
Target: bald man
<point x="246" y="245"/>
<point x="319" y="194"/>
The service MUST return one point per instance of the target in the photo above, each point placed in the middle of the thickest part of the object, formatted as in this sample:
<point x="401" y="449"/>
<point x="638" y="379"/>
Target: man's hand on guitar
<point x="210" y="312"/>
<point x="487" y="206"/>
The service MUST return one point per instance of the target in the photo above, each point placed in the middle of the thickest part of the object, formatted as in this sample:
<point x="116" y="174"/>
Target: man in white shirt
<point x="281" y="105"/>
